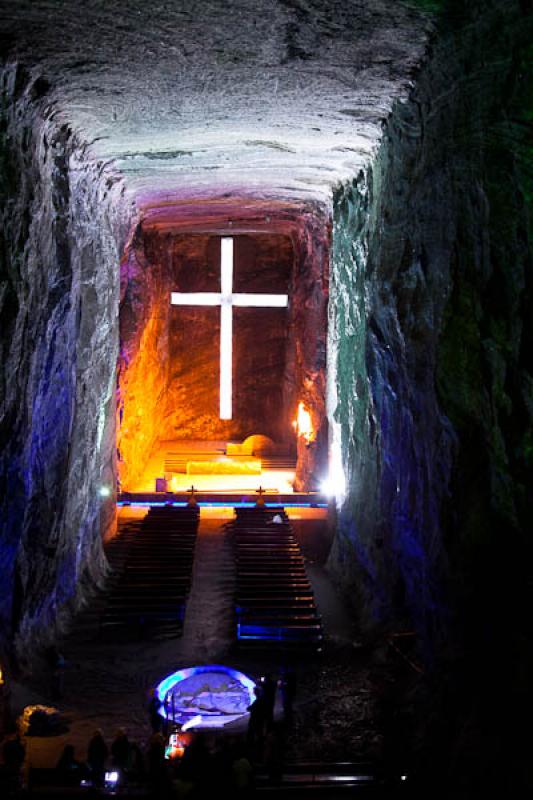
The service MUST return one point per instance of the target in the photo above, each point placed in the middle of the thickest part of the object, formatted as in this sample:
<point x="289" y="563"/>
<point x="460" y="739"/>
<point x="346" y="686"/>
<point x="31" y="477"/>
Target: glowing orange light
<point x="176" y="752"/>
<point x="303" y="425"/>
<point x="177" y="744"/>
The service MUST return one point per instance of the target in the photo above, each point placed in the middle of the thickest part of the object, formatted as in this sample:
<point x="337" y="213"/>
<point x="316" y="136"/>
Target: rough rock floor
<point x="339" y="691"/>
<point x="207" y="631"/>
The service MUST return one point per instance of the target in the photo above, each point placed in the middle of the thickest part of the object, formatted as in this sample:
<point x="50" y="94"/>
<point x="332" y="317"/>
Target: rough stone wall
<point x="143" y="363"/>
<point x="306" y="375"/>
<point x="430" y="372"/>
<point x="61" y="222"/>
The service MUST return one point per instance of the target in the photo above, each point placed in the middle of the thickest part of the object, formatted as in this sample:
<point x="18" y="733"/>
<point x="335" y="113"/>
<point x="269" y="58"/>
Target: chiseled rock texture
<point x="62" y="227"/>
<point x="431" y="393"/>
<point x="430" y="325"/>
<point x="285" y="99"/>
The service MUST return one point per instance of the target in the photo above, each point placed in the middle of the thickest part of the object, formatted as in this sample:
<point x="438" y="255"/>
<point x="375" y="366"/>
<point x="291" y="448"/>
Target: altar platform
<point x="168" y="478"/>
<point x="224" y="499"/>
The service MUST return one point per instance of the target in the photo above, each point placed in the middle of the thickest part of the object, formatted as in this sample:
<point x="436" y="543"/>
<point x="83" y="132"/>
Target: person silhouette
<point x="269" y="686"/>
<point x="288" y="692"/>
<point x="256" y="722"/>
<point x="154" y="706"/>
<point x="97" y="753"/>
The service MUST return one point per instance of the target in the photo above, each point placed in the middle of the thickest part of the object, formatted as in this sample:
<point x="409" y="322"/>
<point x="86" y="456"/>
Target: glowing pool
<point x="205" y="697"/>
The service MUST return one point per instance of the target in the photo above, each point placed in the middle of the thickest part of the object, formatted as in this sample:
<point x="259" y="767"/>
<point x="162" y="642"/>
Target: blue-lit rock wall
<point x="430" y="387"/>
<point x="397" y="445"/>
<point x="62" y="221"/>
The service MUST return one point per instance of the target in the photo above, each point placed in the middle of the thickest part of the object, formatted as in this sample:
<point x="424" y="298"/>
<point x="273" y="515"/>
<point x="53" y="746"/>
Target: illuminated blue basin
<point x="211" y="696"/>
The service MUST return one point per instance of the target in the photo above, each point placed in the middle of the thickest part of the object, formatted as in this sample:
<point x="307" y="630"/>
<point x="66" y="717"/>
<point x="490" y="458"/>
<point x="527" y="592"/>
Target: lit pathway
<point x="208" y="630"/>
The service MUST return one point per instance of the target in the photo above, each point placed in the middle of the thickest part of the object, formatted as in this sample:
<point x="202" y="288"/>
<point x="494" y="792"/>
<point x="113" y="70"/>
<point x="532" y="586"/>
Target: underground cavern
<point x="277" y="262"/>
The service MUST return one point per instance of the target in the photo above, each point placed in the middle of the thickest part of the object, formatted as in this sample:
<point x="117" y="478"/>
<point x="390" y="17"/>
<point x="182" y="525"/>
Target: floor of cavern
<point x="341" y="691"/>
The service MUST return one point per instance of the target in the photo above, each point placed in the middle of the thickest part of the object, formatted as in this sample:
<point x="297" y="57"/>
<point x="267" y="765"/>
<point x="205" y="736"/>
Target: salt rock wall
<point x="143" y="361"/>
<point x="307" y="372"/>
<point x="62" y="220"/>
<point x="430" y="392"/>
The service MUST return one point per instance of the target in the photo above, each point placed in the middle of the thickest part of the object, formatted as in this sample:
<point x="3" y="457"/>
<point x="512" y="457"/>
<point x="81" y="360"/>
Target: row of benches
<point x="274" y="602"/>
<point x="152" y="560"/>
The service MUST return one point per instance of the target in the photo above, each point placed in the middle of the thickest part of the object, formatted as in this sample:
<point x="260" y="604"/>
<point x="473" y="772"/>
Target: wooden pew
<point x="274" y="604"/>
<point x="153" y="559"/>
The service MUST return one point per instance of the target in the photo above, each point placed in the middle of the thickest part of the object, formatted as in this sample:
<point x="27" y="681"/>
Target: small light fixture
<point x="104" y="491"/>
<point x="111" y="779"/>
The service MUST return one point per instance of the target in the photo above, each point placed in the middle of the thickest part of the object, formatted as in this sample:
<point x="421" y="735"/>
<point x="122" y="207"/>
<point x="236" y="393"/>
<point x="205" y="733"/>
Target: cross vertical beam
<point x="226" y="328"/>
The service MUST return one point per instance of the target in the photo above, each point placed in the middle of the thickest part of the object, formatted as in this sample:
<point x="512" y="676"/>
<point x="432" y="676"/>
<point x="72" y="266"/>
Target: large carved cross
<point x="226" y="299"/>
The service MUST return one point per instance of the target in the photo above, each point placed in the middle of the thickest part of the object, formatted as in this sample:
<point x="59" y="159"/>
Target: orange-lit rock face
<point x="143" y="362"/>
<point x="169" y="365"/>
<point x="262" y="264"/>
<point x="143" y="389"/>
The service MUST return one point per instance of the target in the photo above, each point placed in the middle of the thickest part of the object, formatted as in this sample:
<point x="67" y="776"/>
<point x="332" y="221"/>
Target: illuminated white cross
<point x="226" y="299"/>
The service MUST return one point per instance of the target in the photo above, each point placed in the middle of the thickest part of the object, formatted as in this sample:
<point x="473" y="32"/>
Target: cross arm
<point x="195" y="298"/>
<point x="260" y="300"/>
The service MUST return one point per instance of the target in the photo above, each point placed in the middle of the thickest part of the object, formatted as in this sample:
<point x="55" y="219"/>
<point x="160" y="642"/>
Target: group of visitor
<point x="123" y="757"/>
<point x="206" y="765"/>
<point x="206" y="762"/>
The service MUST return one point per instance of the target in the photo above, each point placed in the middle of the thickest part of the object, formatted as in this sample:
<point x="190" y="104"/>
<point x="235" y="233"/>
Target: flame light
<point x="303" y="425"/>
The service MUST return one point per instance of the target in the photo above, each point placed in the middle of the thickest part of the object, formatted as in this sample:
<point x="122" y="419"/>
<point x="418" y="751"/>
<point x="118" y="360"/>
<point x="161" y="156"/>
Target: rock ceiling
<point x="282" y="97"/>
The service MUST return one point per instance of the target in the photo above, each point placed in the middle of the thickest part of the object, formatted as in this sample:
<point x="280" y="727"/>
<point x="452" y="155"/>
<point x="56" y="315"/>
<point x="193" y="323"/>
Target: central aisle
<point x="208" y="630"/>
